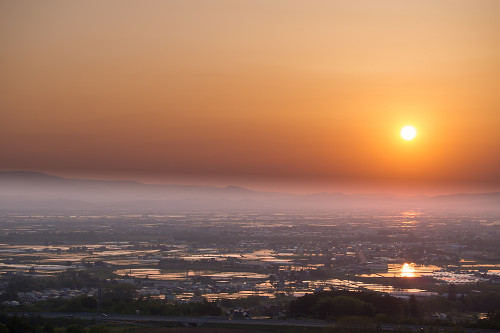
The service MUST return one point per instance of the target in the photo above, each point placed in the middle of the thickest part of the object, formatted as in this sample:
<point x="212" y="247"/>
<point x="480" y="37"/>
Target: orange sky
<point x="293" y="95"/>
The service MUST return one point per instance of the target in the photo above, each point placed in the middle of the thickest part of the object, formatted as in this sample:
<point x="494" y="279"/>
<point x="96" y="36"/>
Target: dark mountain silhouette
<point x="33" y="190"/>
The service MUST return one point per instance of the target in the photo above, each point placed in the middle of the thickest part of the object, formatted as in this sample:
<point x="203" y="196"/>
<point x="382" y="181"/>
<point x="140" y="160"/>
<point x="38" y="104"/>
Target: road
<point x="199" y="321"/>
<point x="183" y="319"/>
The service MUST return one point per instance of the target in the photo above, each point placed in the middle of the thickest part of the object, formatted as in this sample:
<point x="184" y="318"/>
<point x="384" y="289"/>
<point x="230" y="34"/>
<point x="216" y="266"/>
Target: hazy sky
<point x="299" y="95"/>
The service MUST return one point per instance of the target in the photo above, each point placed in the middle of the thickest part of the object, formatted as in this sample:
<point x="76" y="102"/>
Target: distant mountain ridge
<point x="34" y="190"/>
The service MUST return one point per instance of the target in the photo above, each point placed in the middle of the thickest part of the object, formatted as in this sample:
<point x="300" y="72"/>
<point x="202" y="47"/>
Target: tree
<point x="341" y="306"/>
<point x="414" y="309"/>
<point x="99" y="329"/>
<point x="48" y="328"/>
<point x="452" y="292"/>
<point x="3" y="328"/>
<point x="75" y="329"/>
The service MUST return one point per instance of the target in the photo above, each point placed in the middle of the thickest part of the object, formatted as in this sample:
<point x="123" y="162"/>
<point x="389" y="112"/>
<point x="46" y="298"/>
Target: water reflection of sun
<point x="408" y="270"/>
<point x="409" y="213"/>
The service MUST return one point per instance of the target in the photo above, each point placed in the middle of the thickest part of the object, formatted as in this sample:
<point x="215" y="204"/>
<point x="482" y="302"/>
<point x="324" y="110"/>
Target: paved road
<point x="198" y="321"/>
<point x="183" y="319"/>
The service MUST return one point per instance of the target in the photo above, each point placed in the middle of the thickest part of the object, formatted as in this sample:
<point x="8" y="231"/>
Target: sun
<point x="408" y="133"/>
<point x="408" y="270"/>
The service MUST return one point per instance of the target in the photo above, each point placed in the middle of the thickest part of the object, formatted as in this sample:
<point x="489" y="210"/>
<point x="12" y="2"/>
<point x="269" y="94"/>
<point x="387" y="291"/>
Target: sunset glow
<point x="408" y="270"/>
<point x="408" y="133"/>
<point x="267" y="162"/>
<point x="268" y="95"/>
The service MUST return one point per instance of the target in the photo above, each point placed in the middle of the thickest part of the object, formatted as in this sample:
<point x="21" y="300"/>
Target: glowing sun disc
<point x="408" y="133"/>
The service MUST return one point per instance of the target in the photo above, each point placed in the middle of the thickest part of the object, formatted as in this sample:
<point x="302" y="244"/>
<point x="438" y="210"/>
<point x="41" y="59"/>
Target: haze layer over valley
<point x="32" y="190"/>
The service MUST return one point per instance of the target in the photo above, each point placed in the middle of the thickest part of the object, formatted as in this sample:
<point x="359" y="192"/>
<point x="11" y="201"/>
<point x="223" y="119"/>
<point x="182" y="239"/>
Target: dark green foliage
<point x="413" y="304"/>
<point x="81" y="303"/>
<point x="126" y="305"/>
<point x="243" y="302"/>
<point x="480" y="302"/>
<point x="483" y="302"/>
<point x="75" y="329"/>
<point x="21" y="283"/>
<point x="48" y="328"/>
<point x="99" y="329"/>
<point x="452" y="292"/>
<point x="492" y="322"/>
<point x="121" y="293"/>
<point x="19" y="324"/>
<point x="154" y="307"/>
<point x="340" y="306"/>
<point x="71" y="278"/>
<point x="336" y="304"/>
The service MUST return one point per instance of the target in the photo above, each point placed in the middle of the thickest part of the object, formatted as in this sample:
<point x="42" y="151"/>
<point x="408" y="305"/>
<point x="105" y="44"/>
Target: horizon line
<point x="244" y="187"/>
